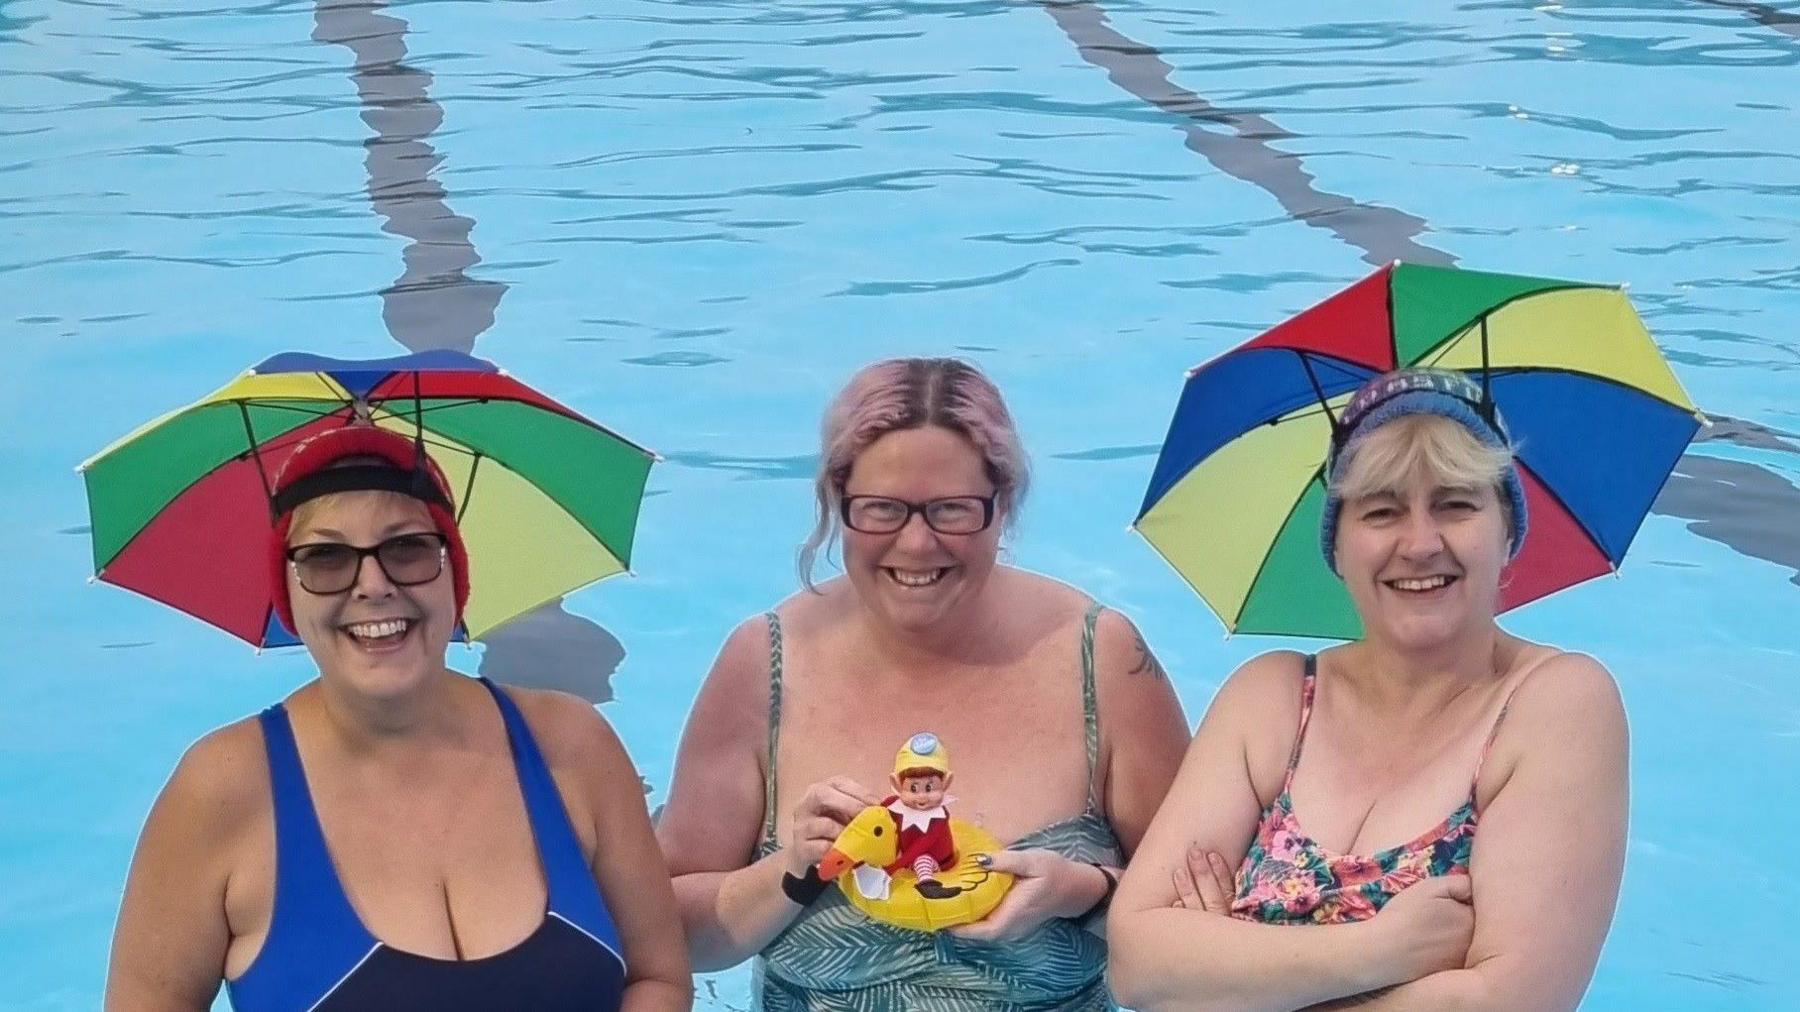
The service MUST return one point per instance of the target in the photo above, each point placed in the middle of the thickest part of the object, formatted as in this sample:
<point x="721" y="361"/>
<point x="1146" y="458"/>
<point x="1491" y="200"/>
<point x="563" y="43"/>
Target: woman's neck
<point x="365" y="723"/>
<point x="970" y="636"/>
<point x="1407" y="679"/>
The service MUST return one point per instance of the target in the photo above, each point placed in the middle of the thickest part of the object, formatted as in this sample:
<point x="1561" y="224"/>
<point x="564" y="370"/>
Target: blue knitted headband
<point x="1440" y="392"/>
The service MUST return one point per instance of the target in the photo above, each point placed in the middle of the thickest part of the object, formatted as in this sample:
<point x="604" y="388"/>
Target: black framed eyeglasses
<point x="331" y="567"/>
<point x="952" y="514"/>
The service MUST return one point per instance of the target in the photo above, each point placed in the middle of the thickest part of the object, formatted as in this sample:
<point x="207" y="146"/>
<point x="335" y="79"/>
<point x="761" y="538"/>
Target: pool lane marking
<point x="434" y="303"/>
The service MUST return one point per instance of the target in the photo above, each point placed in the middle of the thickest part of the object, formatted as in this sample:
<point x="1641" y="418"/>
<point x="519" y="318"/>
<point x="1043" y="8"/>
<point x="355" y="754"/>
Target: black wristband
<point x="803" y="890"/>
<point x="1105" y="900"/>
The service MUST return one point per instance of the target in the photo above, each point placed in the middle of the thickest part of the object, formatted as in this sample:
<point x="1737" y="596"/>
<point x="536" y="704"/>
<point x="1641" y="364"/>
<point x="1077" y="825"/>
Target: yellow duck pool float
<point x="965" y="892"/>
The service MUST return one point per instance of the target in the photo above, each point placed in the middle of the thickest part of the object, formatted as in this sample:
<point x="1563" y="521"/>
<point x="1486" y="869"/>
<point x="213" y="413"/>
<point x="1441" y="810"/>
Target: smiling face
<point x="376" y="638"/>
<point x="1422" y="536"/>
<point x="921" y="790"/>
<point x="916" y="578"/>
<point x="1423" y="563"/>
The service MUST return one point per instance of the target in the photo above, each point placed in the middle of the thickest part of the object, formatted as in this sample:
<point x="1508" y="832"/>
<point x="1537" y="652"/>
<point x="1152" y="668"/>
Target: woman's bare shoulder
<point x="1265" y="684"/>
<point x="221" y="784"/>
<point x="1565" y="713"/>
<point x="1051" y="597"/>
<point x="807" y="613"/>
<point x="570" y="731"/>
<point x="730" y="710"/>
<point x="1559" y="691"/>
<point x="740" y="672"/>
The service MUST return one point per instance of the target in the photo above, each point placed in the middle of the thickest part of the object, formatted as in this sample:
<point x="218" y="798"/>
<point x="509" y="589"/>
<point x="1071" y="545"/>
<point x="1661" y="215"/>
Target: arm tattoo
<point x="1147" y="663"/>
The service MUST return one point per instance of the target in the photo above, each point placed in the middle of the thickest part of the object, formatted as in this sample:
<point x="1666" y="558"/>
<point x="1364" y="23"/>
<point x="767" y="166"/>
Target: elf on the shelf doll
<point x="920" y="778"/>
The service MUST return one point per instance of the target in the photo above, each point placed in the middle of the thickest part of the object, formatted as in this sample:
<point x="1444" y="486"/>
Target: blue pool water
<point x="692" y="220"/>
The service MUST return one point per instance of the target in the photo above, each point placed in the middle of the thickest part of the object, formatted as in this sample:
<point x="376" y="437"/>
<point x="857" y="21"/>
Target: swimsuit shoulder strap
<point x="768" y="834"/>
<point x="573" y="894"/>
<point x="1309" y="679"/>
<point x="307" y="889"/>
<point x="1487" y="746"/>
<point x="1090" y="708"/>
<point x="314" y="934"/>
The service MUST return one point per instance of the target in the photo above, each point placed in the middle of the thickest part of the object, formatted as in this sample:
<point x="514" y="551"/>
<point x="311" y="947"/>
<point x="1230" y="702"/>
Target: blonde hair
<point x="912" y="393"/>
<point x="1424" y="447"/>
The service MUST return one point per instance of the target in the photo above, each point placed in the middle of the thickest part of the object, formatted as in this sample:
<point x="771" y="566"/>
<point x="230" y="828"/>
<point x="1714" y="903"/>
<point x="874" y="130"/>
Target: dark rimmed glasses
<point x="952" y="514"/>
<point x="331" y="567"/>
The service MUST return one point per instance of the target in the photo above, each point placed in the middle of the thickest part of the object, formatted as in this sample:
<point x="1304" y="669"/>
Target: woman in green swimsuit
<point x="1304" y="854"/>
<point x="1066" y="733"/>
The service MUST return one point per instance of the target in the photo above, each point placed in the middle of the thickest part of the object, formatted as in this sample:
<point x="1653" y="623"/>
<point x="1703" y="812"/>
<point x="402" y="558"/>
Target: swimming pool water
<point x="693" y="220"/>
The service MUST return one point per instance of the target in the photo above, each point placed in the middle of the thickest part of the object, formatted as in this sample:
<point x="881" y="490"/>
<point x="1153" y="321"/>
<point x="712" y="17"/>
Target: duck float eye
<point x="928" y="873"/>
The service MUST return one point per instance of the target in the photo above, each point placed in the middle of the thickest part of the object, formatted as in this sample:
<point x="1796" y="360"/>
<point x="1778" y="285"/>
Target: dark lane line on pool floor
<point x="1782" y="21"/>
<point x="435" y="304"/>
<point x="1747" y="507"/>
<point x="1383" y="234"/>
<point x="1699" y="490"/>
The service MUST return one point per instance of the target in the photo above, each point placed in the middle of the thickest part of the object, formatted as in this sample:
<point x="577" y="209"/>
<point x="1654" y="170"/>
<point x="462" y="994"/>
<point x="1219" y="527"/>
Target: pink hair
<point x="911" y="393"/>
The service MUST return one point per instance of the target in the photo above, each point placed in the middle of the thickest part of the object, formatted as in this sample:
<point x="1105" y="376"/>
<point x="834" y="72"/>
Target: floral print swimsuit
<point x="1288" y="878"/>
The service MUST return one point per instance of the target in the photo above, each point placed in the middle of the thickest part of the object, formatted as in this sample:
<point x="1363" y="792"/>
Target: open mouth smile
<point x="1420" y="584"/>
<point x="380" y="635"/>
<point x="916" y="578"/>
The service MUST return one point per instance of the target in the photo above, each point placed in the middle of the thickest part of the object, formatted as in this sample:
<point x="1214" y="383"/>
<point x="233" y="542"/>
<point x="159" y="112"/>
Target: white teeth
<point x="912" y="579"/>
<point x="1428" y="583"/>
<point x="378" y="630"/>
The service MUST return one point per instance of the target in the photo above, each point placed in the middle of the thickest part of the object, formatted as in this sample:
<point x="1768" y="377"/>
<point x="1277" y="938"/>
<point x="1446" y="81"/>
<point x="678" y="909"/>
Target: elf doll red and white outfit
<point x="920" y="778"/>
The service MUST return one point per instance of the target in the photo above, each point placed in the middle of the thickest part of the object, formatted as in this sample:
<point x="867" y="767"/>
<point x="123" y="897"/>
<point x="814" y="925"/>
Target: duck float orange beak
<point x="870" y="839"/>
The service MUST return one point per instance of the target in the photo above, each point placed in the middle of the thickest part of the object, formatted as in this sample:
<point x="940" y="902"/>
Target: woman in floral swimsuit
<point x="1346" y="791"/>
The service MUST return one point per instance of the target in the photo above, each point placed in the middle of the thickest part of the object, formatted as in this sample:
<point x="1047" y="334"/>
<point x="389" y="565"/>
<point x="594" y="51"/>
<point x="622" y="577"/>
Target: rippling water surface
<point x="692" y="220"/>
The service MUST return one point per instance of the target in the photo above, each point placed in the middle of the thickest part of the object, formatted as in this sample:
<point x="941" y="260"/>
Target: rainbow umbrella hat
<point x="546" y="499"/>
<point x="1598" y="418"/>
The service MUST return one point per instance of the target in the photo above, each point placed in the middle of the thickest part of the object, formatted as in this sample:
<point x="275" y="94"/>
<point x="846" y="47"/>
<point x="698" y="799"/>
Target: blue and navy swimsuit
<point x="319" y="956"/>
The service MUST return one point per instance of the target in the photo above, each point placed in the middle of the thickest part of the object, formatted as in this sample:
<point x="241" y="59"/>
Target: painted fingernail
<point x="984" y="861"/>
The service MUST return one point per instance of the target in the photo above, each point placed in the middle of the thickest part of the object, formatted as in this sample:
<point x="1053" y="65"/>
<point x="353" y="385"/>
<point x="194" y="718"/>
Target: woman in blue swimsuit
<point x="395" y="835"/>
